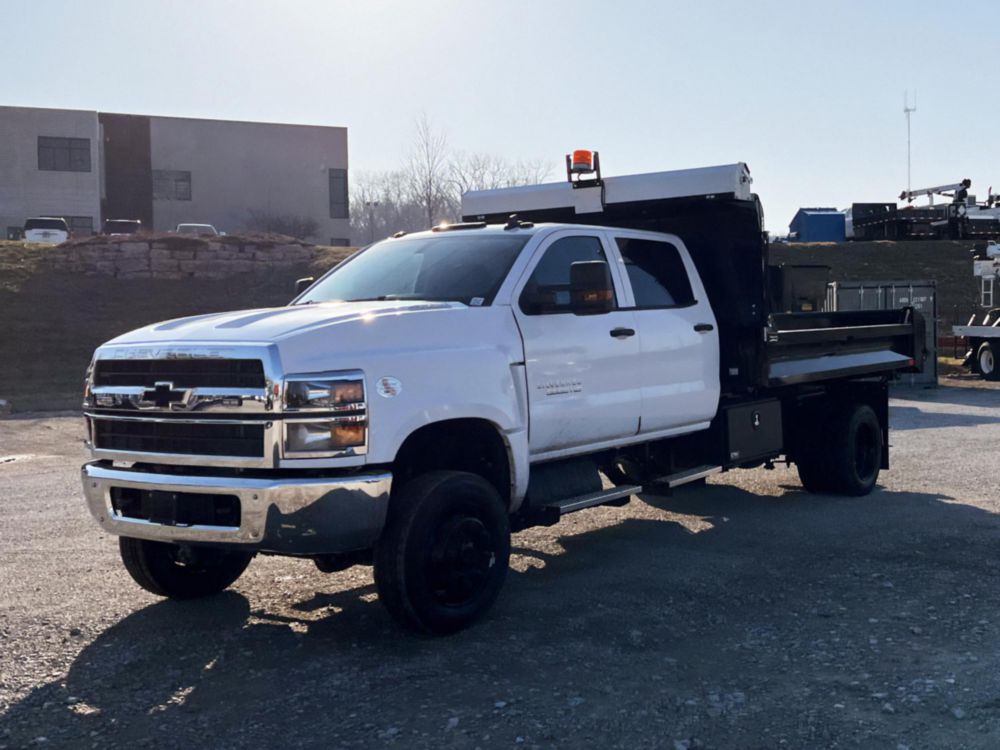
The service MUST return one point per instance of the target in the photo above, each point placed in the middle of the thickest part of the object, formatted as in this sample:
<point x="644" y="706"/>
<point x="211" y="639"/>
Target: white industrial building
<point x="90" y="166"/>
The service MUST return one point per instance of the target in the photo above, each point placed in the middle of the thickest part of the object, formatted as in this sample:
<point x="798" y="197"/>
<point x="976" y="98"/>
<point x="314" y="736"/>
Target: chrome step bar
<point x="604" y="497"/>
<point x="621" y="495"/>
<point x="689" y="475"/>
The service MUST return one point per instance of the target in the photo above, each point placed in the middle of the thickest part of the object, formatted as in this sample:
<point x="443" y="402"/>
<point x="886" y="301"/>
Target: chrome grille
<point x="180" y="437"/>
<point x="183" y="373"/>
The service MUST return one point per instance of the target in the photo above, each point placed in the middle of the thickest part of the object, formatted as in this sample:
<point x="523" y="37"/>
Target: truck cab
<point x="439" y="390"/>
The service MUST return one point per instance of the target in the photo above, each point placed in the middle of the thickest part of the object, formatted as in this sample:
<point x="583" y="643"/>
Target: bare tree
<point x="488" y="172"/>
<point x="381" y="204"/>
<point x="429" y="187"/>
<point x="428" y="169"/>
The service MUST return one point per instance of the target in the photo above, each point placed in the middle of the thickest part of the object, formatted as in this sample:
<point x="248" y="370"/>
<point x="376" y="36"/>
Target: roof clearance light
<point x="583" y="161"/>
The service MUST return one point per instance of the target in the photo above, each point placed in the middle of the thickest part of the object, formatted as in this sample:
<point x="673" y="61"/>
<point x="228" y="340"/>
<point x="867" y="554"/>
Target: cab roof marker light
<point x="457" y="226"/>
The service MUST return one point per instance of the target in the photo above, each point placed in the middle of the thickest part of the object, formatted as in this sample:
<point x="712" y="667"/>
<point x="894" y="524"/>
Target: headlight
<point x="316" y="435"/>
<point x="337" y="393"/>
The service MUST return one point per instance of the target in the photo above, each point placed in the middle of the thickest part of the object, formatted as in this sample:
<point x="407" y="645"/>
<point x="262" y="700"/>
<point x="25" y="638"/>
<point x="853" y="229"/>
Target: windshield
<point x="57" y="224"/>
<point x="462" y="267"/>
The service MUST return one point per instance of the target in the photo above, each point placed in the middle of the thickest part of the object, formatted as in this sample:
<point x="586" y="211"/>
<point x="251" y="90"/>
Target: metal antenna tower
<point x="908" y="110"/>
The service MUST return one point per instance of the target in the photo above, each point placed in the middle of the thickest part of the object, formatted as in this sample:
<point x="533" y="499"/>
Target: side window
<point x="171" y="185"/>
<point x="656" y="272"/>
<point x="547" y="291"/>
<point x="339" y="203"/>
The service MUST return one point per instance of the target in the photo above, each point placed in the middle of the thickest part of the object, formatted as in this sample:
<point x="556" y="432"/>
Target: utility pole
<point x="908" y="110"/>
<point x="371" y="206"/>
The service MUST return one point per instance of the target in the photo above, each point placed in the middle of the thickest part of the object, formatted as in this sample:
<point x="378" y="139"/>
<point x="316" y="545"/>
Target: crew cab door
<point x="678" y="362"/>
<point x="582" y="385"/>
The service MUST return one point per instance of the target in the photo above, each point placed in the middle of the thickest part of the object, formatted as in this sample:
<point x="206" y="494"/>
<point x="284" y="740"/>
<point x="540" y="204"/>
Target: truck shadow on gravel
<point x="630" y="597"/>
<point x="903" y="418"/>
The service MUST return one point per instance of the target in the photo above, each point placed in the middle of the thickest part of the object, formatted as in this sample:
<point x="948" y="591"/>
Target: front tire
<point x="986" y="359"/>
<point x="181" y="573"/>
<point x="444" y="554"/>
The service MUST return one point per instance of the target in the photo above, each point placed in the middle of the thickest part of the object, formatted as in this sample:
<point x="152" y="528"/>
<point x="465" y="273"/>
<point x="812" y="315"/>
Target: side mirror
<point x="590" y="288"/>
<point x="302" y="284"/>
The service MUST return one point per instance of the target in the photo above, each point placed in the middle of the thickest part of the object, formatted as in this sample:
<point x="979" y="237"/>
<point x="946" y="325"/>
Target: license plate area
<point x="168" y="508"/>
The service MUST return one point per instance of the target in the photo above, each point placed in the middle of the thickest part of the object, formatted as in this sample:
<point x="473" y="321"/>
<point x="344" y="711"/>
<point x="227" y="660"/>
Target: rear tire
<point x="811" y="460"/>
<point x="986" y="361"/>
<point x="846" y="458"/>
<point x="166" y="570"/>
<point x="812" y="473"/>
<point x="443" y="557"/>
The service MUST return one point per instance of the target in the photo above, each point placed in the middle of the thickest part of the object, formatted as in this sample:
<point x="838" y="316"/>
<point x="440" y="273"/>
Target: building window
<point x="171" y="185"/>
<point x="63" y="154"/>
<point x="80" y="226"/>
<point x="338" y="194"/>
<point x="339" y="242"/>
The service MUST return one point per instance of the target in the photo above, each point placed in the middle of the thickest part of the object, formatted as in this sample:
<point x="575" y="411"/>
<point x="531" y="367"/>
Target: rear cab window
<point x="656" y="272"/>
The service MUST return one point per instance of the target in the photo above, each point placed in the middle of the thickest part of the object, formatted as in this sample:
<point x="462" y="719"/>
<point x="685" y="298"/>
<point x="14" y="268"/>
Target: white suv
<point x="46" y="230"/>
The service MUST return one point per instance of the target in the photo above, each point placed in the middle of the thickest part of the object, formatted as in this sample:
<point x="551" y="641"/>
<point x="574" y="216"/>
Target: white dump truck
<point x="440" y="390"/>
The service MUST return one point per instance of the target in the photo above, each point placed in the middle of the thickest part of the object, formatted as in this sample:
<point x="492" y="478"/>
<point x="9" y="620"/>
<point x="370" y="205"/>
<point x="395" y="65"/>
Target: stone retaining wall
<point x="173" y="259"/>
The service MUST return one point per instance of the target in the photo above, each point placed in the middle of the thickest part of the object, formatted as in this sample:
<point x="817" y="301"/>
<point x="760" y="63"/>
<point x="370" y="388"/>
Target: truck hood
<point x="329" y="335"/>
<point x="272" y="324"/>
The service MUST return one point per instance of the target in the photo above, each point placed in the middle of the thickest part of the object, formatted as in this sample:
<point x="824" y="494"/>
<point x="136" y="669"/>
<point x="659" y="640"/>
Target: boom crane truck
<point x="982" y="332"/>
<point x="565" y="346"/>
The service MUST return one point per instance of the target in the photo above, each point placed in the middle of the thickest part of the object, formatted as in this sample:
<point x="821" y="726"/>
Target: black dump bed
<point x="723" y="231"/>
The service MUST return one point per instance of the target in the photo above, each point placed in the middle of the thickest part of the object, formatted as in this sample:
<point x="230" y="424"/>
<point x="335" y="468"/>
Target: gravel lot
<point x="744" y="614"/>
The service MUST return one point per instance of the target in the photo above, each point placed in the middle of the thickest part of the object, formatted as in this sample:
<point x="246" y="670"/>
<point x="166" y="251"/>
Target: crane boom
<point x="909" y="195"/>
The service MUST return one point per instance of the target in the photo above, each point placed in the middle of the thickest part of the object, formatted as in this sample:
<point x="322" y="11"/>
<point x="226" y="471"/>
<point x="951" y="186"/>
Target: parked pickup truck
<point x="440" y="390"/>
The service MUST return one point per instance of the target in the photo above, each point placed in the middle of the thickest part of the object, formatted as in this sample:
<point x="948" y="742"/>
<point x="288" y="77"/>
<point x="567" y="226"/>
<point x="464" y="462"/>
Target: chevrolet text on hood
<point x="563" y="347"/>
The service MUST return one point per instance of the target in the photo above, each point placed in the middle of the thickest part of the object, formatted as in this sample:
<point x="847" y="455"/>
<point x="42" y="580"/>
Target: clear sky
<point x="808" y="93"/>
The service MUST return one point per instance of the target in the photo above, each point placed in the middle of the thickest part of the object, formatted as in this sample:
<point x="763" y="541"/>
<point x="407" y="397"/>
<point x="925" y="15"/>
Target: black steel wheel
<point x="855" y="458"/>
<point x="181" y="572"/>
<point x="842" y="455"/>
<point x="443" y="557"/>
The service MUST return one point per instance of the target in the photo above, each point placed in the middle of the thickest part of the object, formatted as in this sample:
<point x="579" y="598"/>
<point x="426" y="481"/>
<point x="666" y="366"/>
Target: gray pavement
<point x="745" y="614"/>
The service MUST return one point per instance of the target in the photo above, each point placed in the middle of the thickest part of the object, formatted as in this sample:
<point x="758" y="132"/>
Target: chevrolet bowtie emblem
<point x="162" y="395"/>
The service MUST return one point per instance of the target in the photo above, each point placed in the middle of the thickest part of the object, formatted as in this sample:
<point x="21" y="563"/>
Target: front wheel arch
<point x="472" y="445"/>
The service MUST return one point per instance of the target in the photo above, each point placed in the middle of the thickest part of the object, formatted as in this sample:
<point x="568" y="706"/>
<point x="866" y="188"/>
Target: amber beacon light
<point x="583" y="168"/>
<point x="583" y="161"/>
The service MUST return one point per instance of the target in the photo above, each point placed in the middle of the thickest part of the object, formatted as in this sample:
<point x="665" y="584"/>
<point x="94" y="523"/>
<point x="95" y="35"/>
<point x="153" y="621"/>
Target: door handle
<point x="622" y="333"/>
<point x="704" y="327"/>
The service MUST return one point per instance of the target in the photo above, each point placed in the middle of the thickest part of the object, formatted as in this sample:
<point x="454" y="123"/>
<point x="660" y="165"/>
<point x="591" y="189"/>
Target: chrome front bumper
<point x="293" y="516"/>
